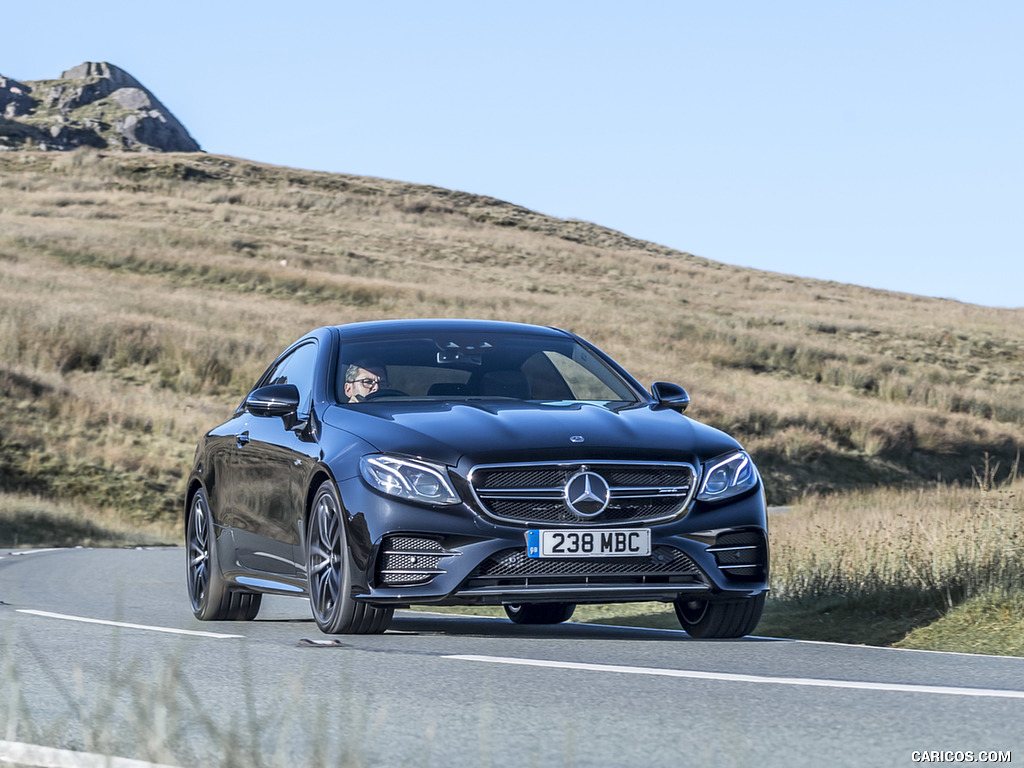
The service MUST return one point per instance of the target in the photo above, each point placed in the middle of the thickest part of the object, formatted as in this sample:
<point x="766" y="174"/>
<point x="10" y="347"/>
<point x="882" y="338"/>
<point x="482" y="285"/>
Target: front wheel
<point x="329" y="572"/>
<point x="210" y="596"/>
<point x="540" y="613"/>
<point x="705" y="619"/>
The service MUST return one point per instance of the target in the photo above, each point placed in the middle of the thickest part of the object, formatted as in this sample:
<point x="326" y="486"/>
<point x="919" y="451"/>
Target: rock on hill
<point x="94" y="104"/>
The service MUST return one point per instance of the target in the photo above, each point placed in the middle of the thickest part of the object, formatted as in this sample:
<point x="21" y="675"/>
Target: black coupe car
<point x="460" y="462"/>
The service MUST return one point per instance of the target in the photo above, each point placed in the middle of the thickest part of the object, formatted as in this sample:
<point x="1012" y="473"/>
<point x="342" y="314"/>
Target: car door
<point x="273" y="459"/>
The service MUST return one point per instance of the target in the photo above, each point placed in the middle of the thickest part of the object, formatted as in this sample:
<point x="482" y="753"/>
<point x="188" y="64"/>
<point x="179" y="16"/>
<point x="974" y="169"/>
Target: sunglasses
<point x="369" y="383"/>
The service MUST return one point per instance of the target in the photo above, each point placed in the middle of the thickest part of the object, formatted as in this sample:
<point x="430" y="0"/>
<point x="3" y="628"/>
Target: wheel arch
<point x="320" y="475"/>
<point x="194" y="486"/>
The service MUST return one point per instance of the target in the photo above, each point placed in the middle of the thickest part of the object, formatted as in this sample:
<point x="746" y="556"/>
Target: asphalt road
<point x="441" y="690"/>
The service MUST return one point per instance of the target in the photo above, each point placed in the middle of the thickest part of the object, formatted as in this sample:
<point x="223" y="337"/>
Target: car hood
<point x="511" y="431"/>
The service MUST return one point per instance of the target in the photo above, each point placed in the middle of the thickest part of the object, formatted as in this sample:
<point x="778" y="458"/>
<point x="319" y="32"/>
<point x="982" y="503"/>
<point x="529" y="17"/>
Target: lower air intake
<point x="512" y="567"/>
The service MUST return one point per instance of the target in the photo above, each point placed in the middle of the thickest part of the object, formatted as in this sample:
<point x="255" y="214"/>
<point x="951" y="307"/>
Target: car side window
<point x="298" y="369"/>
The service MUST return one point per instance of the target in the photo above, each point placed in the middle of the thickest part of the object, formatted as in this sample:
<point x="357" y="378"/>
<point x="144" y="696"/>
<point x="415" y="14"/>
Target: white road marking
<point x="731" y="678"/>
<point x="126" y="625"/>
<point x="46" y="757"/>
<point x="23" y="552"/>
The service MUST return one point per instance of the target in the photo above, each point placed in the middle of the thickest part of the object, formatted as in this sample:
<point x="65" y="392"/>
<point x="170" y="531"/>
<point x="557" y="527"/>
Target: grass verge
<point x="32" y="521"/>
<point x="991" y="624"/>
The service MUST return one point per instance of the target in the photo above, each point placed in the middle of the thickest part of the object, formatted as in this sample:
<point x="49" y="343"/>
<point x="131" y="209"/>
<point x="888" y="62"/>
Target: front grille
<point x="534" y="494"/>
<point x="513" y="568"/>
<point x="408" y="560"/>
<point x="741" y="555"/>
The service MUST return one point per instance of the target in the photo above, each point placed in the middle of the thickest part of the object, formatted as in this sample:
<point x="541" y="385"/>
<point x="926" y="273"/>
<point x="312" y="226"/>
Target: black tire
<point x="209" y="594"/>
<point x="540" y="613"/>
<point x="703" y="618"/>
<point x="329" y="572"/>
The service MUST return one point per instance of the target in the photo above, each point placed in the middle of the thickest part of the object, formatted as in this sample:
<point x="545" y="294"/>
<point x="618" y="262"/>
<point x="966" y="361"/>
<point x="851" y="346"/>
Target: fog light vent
<point x="741" y="555"/>
<point x="410" y="560"/>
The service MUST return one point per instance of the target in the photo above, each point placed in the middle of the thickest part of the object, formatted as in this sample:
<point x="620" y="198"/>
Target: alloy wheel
<point x="198" y="552"/>
<point x="325" y="557"/>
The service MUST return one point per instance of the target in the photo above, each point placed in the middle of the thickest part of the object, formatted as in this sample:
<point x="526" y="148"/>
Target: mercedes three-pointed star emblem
<point x="587" y="494"/>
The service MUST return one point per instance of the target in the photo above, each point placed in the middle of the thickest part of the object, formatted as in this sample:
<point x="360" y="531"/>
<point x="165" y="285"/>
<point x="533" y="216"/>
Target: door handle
<point x="242" y="438"/>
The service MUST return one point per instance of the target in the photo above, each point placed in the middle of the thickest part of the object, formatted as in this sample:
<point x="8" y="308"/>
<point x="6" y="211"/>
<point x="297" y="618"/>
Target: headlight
<point x="408" y="479"/>
<point x="727" y="477"/>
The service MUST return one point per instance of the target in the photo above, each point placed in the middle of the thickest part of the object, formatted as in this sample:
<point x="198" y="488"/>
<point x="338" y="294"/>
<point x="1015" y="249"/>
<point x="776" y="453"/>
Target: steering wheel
<point x="382" y="393"/>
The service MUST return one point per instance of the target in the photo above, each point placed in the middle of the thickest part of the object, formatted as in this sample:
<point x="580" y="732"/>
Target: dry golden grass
<point x="902" y="549"/>
<point x="32" y="521"/>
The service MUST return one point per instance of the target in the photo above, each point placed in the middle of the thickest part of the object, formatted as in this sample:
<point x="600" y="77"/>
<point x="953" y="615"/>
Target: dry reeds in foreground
<point x="901" y="551"/>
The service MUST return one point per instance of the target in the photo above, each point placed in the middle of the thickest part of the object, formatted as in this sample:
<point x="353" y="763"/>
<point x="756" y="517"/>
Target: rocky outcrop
<point x="94" y="104"/>
<point x="14" y="98"/>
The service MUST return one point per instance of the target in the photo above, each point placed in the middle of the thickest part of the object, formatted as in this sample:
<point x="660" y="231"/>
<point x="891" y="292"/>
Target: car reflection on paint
<point x="458" y="462"/>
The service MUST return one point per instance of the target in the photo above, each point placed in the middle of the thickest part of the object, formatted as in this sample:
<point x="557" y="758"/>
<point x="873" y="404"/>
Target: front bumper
<point x="407" y="554"/>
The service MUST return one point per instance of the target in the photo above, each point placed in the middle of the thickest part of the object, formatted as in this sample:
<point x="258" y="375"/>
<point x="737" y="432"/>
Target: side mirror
<point x="273" y="400"/>
<point x="670" y="396"/>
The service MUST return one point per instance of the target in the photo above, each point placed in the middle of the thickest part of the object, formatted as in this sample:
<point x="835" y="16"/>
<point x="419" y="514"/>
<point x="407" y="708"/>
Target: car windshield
<point x="460" y="367"/>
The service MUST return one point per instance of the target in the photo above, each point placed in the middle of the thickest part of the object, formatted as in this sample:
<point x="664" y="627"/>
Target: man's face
<point x="367" y="380"/>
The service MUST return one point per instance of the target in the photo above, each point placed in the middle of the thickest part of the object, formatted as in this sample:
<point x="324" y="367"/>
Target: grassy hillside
<point x="140" y="295"/>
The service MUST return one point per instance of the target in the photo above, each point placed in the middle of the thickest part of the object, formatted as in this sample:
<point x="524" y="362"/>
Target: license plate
<point x="594" y="542"/>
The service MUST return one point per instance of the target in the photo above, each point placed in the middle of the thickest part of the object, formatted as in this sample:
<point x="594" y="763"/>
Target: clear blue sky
<point x="875" y="143"/>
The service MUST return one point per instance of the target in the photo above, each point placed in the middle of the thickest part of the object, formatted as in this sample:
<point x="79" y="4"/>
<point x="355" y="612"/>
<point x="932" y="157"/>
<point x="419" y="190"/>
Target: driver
<point x="364" y="377"/>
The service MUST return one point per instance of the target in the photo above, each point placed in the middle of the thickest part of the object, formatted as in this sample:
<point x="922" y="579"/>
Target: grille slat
<point x="532" y="494"/>
<point x="413" y="544"/>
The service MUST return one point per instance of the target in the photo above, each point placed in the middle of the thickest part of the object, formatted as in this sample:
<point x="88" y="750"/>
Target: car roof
<point x="442" y="325"/>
